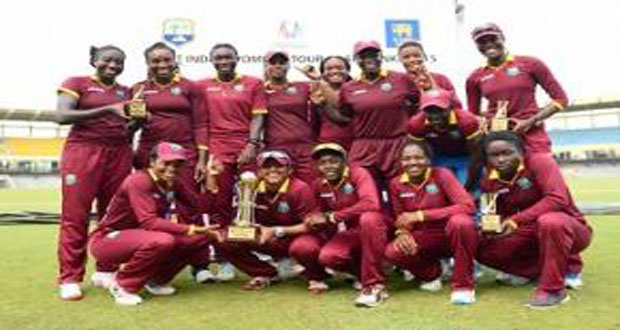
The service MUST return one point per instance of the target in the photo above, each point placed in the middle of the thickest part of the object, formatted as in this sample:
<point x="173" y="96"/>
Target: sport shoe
<point x="543" y="299"/>
<point x="226" y="272"/>
<point x="70" y="291"/>
<point x="123" y="297"/>
<point x="432" y="286"/>
<point x="203" y="276"/>
<point x="371" y="296"/>
<point x="357" y="285"/>
<point x="317" y="287"/>
<point x="160" y="290"/>
<point x="101" y="279"/>
<point x="573" y="281"/>
<point x="407" y="276"/>
<point x="510" y="279"/>
<point x="463" y="297"/>
<point x="288" y="268"/>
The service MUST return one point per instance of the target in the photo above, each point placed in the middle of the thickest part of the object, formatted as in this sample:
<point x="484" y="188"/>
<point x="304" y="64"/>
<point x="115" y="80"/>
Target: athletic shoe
<point x="463" y="297"/>
<point x="510" y="279"/>
<point x="317" y="287"/>
<point x="226" y="272"/>
<point x="447" y="266"/>
<point x="543" y="299"/>
<point x="357" y="285"/>
<point x="573" y="281"/>
<point x="122" y="297"/>
<point x="101" y="279"/>
<point x="160" y="290"/>
<point x="432" y="286"/>
<point x="70" y="291"/>
<point x="478" y="271"/>
<point x="371" y="296"/>
<point x="407" y="276"/>
<point x="203" y="276"/>
<point x="288" y="268"/>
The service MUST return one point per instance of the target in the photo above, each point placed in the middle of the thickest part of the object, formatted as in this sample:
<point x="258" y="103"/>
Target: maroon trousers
<point x="143" y="255"/>
<point x="304" y="249"/>
<point x="89" y="171"/>
<point x="359" y="250"/>
<point x="538" y="249"/>
<point x="458" y="239"/>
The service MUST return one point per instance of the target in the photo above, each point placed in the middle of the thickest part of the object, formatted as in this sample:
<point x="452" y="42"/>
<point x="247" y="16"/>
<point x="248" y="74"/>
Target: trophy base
<point x="137" y="110"/>
<point x="499" y="125"/>
<point x="491" y="223"/>
<point x="242" y="234"/>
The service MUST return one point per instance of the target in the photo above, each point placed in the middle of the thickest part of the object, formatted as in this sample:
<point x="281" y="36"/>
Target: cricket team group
<point x="355" y="177"/>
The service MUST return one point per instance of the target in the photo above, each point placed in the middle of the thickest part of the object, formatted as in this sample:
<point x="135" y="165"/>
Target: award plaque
<point x="137" y="106"/>
<point x="500" y="121"/>
<point x="490" y="220"/>
<point x="243" y="228"/>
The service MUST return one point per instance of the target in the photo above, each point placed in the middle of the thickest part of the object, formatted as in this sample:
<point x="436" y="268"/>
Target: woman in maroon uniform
<point x="176" y="113"/>
<point x="541" y="225"/>
<point x="95" y="159"/>
<point x="513" y="79"/>
<point x="433" y="221"/>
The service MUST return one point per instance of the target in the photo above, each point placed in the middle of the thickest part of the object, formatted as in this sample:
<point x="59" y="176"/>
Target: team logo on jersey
<point x="407" y="194"/>
<point x="70" y="179"/>
<point x="178" y="31"/>
<point x="283" y="207"/>
<point x="348" y="188"/>
<point x="238" y="88"/>
<point x="120" y="94"/>
<point x="386" y="86"/>
<point x="292" y="90"/>
<point x="512" y="71"/>
<point x="432" y="188"/>
<point x="175" y="90"/>
<point x="524" y="183"/>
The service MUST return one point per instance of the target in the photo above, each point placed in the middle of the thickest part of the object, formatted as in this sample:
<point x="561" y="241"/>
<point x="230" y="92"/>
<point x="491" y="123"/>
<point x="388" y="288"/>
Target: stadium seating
<point x="32" y="147"/>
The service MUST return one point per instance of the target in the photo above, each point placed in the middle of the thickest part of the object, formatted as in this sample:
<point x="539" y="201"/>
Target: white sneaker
<point x="288" y="268"/>
<point x="573" y="281"/>
<point x="407" y="276"/>
<point x="463" y="297"/>
<point x="432" y="286"/>
<point x="123" y="297"/>
<point x="371" y="296"/>
<point x="70" y="291"/>
<point x="317" y="286"/>
<point x="101" y="279"/>
<point x="204" y="276"/>
<point x="357" y="285"/>
<point x="160" y="290"/>
<point x="510" y="279"/>
<point x="226" y="272"/>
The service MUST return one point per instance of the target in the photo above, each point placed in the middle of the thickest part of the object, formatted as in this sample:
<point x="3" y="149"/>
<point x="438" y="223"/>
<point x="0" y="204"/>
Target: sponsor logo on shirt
<point x="70" y="179"/>
<point x="512" y="71"/>
<point x="176" y="90"/>
<point x="386" y="86"/>
<point x="524" y="183"/>
<point x="291" y="90"/>
<point x="359" y="91"/>
<point x="150" y="91"/>
<point x="213" y="89"/>
<point x="283" y="207"/>
<point x="407" y="194"/>
<point x="348" y="188"/>
<point x="431" y="188"/>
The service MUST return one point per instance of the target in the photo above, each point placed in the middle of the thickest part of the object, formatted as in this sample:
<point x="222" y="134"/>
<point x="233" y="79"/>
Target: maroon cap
<point x="437" y="97"/>
<point x="167" y="151"/>
<point x="488" y="29"/>
<point x="365" y="44"/>
<point x="273" y="53"/>
<point x="279" y="156"/>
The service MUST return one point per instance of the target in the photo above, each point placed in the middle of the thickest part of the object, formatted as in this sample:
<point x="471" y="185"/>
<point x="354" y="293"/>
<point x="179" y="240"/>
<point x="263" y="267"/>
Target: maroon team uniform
<point x="515" y="81"/>
<point x="550" y="227"/>
<point x="95" y="160"/>
<point x="462" y="127"/>
<point x="447" y="229"/>
<point x="358" y="245"/>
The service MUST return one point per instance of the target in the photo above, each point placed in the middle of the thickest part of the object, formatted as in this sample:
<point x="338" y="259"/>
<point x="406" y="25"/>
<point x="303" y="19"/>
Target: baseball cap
<point x="270" y="54"/>
<point x="279" y="156"/>
<point x="331" y="147"/>
<point x="437" y="97"/>
<point x="168" y="151"/>
<point x="365" y="44"/>
<point x="488" y="29"/>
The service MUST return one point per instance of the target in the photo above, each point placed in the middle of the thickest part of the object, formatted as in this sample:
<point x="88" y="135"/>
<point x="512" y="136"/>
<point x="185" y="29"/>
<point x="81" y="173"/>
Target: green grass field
<point x="29" y="296"/>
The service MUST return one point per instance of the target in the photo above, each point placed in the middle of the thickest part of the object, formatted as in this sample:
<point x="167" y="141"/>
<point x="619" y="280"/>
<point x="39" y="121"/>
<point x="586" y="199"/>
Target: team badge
<point x="283" y="207"/>
<point x="120" y="94"/>
<point x="292" y="90"/>
<point x="512" y="71"/>
<point x="524" y="183"/>
<point x="386" y="86"/>
<point x="432" y="188"/>
<point x="176" y="90"/>
<point x="70" y="179"/>
<point x="178" y="31"/>
<point x="238" y="88"/>
<point x="348" y="188"/>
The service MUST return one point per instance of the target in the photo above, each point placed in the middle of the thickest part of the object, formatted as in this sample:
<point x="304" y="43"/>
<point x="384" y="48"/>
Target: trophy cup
<point x="242" y="228"/>
<point x="490" y="220"/>
<point x="500" y="121"/>
<point x="137" y="106"/>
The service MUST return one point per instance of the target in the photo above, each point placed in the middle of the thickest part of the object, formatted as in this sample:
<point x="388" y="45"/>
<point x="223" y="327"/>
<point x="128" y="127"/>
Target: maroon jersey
<point x="444" y="82"/>
<point x="92" y="93"/>
<point x="231" y="107"/>
<point x="141" y="202"/>
<point x="536" y="189"/>
<point x="380" y="109"/>
<point x="286" y="207"/>
<point x="289" y="118"/>
<point x="355" y="194"/>
<point x="439" y="196"/>
<point x="462" y="126"/>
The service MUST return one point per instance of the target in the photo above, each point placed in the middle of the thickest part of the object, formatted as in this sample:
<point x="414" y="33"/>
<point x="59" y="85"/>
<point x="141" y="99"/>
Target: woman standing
<point x="95" y="160"/>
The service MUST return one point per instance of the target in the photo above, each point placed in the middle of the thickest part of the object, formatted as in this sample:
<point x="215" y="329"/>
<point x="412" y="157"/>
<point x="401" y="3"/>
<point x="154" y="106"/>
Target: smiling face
<point x="411" y="57"/>
<point x="369" y="61"/>
<point x="224" y="61"/>
<point x="273" y="173"/>
<point x="503" y="156"/>
<point x="161" y="64"/>
<point x="331" y="167"/>
<point x="414" y="161"/>
<point x="492" y="47"/>
<point x="166" y="171"/>
<point x="335" y="71"/>
<point x="109" y="63"/>
<point x="277" y="67"/>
